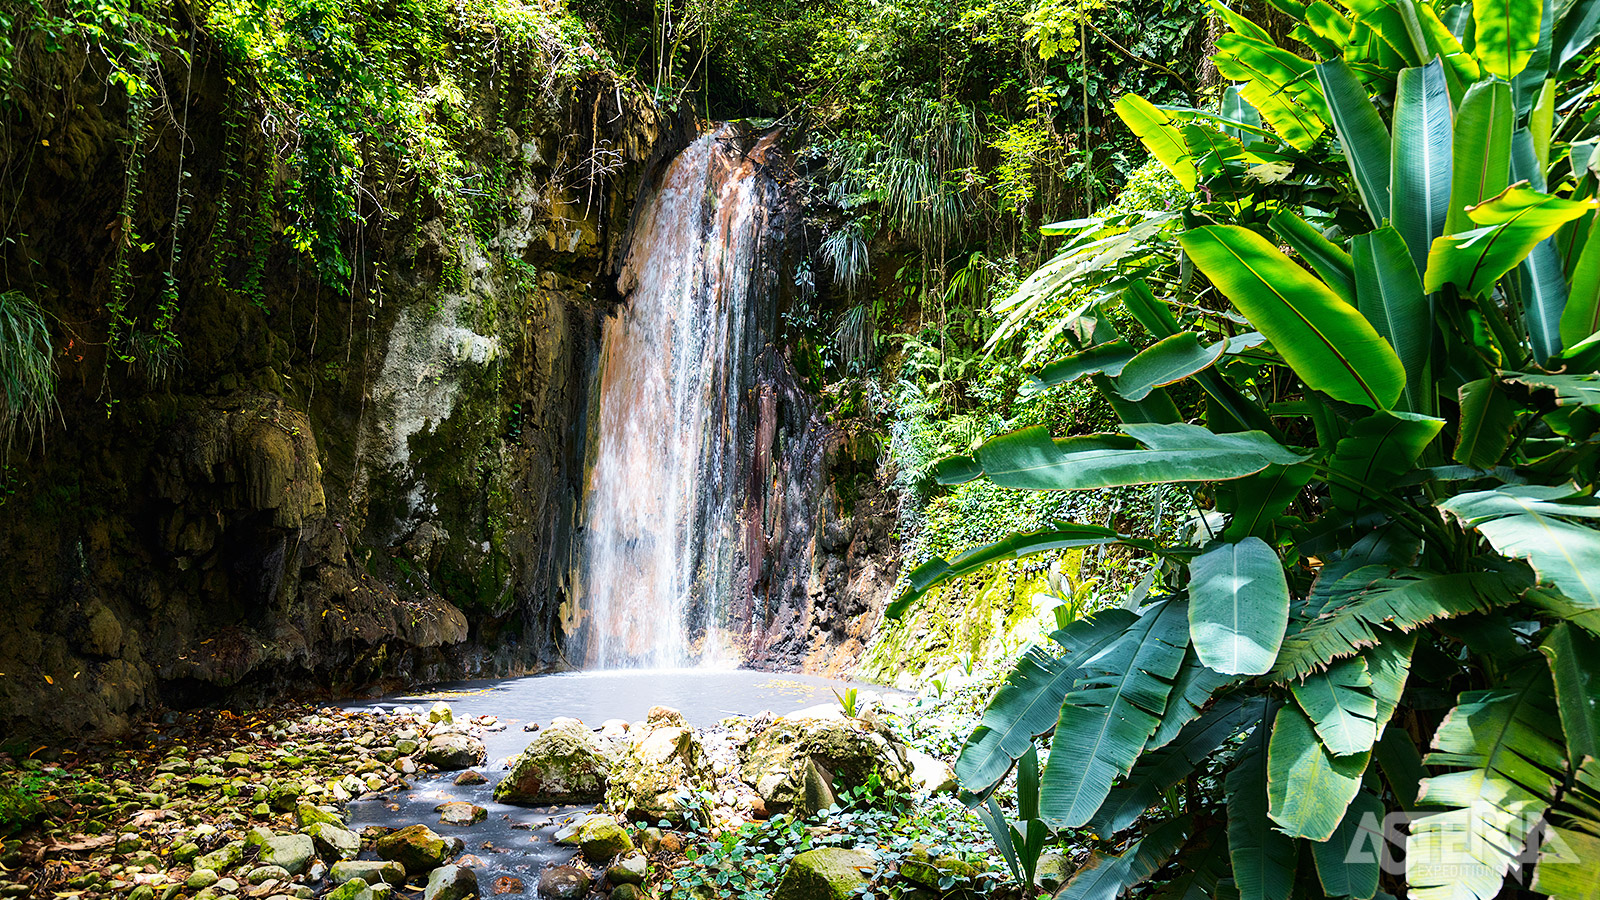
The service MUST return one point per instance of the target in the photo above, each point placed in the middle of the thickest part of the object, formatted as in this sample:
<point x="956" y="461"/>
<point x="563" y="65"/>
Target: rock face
<point x="305" y="481"/>
<point x="566" y="763"/>
<point x="660" y="764"/>
<point x="827" y="873"/>
<point x="805" y="759"/>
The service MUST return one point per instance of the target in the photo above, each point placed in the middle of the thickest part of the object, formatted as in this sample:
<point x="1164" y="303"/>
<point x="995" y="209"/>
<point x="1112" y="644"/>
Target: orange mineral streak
<point x="660" y="526"/>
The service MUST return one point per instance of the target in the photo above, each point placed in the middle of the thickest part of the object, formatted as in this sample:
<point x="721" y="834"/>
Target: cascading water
<point x="661" y="540"/>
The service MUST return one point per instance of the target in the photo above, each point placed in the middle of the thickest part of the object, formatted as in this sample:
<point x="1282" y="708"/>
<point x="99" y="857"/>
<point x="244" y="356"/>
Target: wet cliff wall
<point x="266" y="475"/>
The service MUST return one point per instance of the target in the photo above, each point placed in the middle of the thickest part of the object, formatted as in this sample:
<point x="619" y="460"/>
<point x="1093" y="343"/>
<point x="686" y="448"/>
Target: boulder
<point x="449" y="752"/>
<point x="460" y="813"/>
<point x="419" y="848"/>
<point x="291" y="851"/>
<point x="630" y="868"/>
<point x="930" y="773"/>
<point x="601" y="839"/>
<point x="564" y="883"/>
<point x="353" y="889"/>
<point x="662" y="764"/>
<point x="471" y="776"/>
<point x="929" y="871"/>
<point x="564" y="764"/>
<point x="627" y="892"/>
<point x="262" y="874"/>
<point x="368" y="871"/>
<point x="306" y="813"/>
<point x="441" y="713"/>
<point x="333" y="841"/>
<point x="201" y="878"/>
<point x="221" y="859"/>
<point x="451" y="883"/>
<point x="1053" y="871"/>
<point x="803" y="762"/>
<point x="827" y="873"/>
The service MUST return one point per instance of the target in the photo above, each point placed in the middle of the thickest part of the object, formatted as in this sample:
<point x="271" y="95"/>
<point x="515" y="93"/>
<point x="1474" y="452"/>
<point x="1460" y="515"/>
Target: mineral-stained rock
<point x="661" y="765"/>
<point x="334" y="841"/>
<point x="454" y="751"/>
<point x="827" y="873"/>
<point x="460" y="813"/>
<point x="564" y="764"/>
<point x="563" y="883"/>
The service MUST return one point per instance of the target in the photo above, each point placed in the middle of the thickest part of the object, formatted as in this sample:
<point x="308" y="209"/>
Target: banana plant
<point x="1385" y="294"/>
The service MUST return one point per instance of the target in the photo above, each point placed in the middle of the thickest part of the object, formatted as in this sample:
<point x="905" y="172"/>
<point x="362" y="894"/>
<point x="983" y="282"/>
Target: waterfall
<point x="661" y="517"/>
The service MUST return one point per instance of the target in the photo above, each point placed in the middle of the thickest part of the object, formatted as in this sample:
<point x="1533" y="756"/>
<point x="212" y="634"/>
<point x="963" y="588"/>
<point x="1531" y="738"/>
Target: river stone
<point x="1053" y="871"/>
<point x="441" y="713"/>
<point x="629" y="869"/>
<point x="265" y="873"/>
<point x="920" y="868"/>
<point x="222" y="858"/>
<point x="306" y="813"/>
<point x="451" y="883"/>
<point x="291" y="851"/>
<point x="471" y="777"/>
<point x="568" y="833"/>
<point x="353" y="889"/>
<point x="602" y="839"/>
<point x="368" y="871"/>
<point x="661" y="765"/>
<point x="803" y="761"/>
<point x="449" y="752"/>
<point x="333" y="841"/>
<point x="419" y="848"/>
<point x="627" y="892"/>
<point x="201" y="878"/>
<point x="563" y="883"/>
<point x="564" y="764"/>
<point x="460" y="813"/>
<point x="827" y="873"/>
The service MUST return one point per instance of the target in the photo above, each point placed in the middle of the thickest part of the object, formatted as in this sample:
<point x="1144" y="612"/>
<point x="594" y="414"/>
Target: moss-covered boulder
<point x="803" y="761"/>
<point x="418" y="848"/>
<point x="930" y="871"/>
<point x="827" y="873"/>
<point x="564" y="764"/>
<point x="601" y="840"/>
<point x="662" y="763"/>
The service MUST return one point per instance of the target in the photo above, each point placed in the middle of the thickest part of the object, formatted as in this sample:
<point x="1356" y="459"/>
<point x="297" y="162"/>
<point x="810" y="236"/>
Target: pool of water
<point x="517" y="842"/>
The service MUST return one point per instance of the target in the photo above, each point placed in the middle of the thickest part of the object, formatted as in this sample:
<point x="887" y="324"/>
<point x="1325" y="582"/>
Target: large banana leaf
<point x="1506" y="744"/>
<point x="1331" y="264"/>
<point x="1481" y="146"/>
<point x="1575" y="32"/>
<point x="1253" y="504"/>
<point x="1581" y="318"/>
<point x="1349" y="863"/>
<point x="1028" y="702"/>
<point x="1487" y="419"/>
<point x="1375" y="599"/>
<point x="1106" y="877"/>
<point x="1169" y="360"/>
<point x="1308" y="788"/>
<point x="1238" y="112"/>
<point x="1362" y="134"/>
<point x="1061" y="536"/>
<point x="1238" y="606"/>
<point x="1159" y="770"/>
<point x="1280" y="85"/>
<point x="1569" y="860"/>
<point x="1531" y="522"/>
<point x="1512" y="224"/>
<point x="1422" y="163"/>
<point x="1159" y="135"/>
<point x="1326" y="341"/>
<point x="1339" y="702"/>
<point x="1109" y="715"/>
<point x="1107" y="359"/>
<point x="1575" y="668"/>
<point x="1378" y="449"/>
<point x="1030" y="459"/>
<point x="1389" y="293"/>
<point x="1191" y="691"/>
<point x="1263" y="857"/>
<point x="1507" y="35"/>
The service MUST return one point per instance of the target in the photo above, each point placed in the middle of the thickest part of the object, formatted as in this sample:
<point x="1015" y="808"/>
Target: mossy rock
<point x="662" y="763"/>
<point x="564" y="764"/>
<point x="603" y="840"/>
<point x="802" y="762"/>
<point x="827" y="873"/>
<point x="419" y="848"/>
